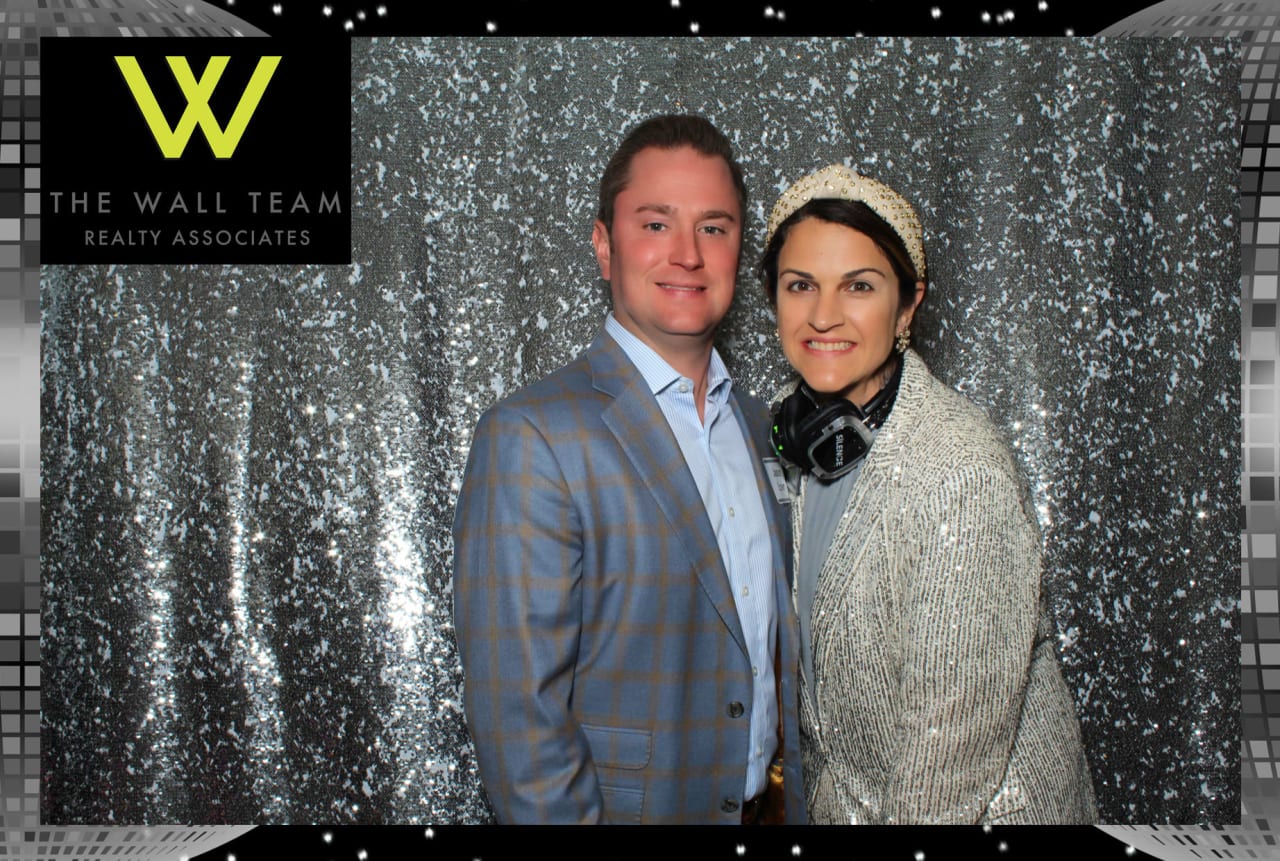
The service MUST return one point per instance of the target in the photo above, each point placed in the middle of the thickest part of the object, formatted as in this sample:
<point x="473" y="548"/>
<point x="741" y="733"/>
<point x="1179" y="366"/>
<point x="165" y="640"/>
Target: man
<point x="620" y="559"/>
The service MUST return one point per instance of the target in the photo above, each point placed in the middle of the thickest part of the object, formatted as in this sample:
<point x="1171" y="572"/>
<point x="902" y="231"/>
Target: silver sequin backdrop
<point x="249" y="472"/>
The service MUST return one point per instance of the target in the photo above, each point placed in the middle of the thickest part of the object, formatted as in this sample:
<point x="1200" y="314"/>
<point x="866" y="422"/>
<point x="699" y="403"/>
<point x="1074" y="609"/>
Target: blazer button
<point x="729" y="805"/>
<point x="735" y="709"/>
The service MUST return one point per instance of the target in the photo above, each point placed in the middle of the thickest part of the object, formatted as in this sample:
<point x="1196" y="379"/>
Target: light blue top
<point x="721" y="463"/>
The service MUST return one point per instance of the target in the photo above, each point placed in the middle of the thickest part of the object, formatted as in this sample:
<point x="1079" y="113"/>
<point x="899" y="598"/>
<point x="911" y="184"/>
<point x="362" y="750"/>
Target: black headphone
<point x="829" y="439"/>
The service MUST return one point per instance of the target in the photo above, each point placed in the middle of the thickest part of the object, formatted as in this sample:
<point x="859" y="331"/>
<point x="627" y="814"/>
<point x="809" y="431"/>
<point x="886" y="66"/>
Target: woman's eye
<point x="798" y="286"/>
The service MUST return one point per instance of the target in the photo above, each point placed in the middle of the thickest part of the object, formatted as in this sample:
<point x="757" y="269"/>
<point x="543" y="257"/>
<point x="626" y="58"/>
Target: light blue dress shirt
<point x="721" y="463"/>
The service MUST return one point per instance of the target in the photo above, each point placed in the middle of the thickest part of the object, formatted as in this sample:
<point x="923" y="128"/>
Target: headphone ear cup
<point x="811" y="425"/>
<point x="798" y="423"/>
<point x="798" y="427"/>
<point x="786" y="440"/>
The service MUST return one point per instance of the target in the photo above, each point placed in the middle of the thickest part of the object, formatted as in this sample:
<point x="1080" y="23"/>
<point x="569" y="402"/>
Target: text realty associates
<point x="161" y="203"/>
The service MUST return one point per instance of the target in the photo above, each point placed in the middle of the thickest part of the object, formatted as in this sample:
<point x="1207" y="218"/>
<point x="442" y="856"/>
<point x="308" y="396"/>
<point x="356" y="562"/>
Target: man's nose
<point x="684" y="248"/>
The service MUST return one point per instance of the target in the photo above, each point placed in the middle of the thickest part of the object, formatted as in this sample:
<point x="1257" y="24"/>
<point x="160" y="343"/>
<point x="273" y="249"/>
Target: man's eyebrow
<point x="660" y="208"/>
<point x="668" y="209"/>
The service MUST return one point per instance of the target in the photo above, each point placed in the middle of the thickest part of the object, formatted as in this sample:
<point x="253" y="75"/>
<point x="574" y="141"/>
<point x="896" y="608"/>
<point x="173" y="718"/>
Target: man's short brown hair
<point x="668" y="131"/>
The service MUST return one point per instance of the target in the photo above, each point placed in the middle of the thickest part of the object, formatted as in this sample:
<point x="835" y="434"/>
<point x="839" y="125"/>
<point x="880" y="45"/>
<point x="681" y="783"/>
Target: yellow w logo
<point x="173" y="141"/>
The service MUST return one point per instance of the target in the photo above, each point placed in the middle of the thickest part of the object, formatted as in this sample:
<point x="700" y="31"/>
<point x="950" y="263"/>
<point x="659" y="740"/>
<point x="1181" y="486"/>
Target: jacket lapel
<point x="642" y="432"/>
<point x="774" y="511"/>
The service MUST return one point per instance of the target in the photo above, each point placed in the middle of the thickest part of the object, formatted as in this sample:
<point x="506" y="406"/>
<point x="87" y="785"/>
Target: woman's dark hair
<point x="850" y="213"/>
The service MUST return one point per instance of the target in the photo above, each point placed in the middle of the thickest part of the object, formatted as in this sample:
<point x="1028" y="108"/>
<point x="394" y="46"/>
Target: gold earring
<point x="903" y="340"/>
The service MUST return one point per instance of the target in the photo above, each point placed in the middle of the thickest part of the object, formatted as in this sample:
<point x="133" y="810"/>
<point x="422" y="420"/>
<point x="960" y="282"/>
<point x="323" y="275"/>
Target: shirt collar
<point x="657" y="373"/>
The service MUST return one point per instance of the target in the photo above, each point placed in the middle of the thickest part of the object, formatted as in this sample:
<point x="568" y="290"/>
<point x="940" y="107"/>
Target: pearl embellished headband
<point x="840" y="182"/>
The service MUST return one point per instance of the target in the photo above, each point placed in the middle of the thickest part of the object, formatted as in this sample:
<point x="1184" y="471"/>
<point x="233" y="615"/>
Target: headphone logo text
<point x="173" y="141"/>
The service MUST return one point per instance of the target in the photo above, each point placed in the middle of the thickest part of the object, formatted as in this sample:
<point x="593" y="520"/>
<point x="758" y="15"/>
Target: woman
<point x="931" y="692"/>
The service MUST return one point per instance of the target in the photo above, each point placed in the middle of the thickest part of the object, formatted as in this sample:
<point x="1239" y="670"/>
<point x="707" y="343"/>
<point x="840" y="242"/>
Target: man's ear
<point x="600" y="241"/>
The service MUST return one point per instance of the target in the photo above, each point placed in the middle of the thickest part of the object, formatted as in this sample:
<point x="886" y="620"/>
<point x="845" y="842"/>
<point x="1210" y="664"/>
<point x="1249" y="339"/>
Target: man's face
<point x="672" y="257"/>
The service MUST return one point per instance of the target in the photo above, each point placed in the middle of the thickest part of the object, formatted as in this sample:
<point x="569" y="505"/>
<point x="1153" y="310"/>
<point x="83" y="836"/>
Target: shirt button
<point x="683" y="388"/>
<point x="735" y="709"/>
<point x="729" y="805"/>
<point x="731" y="511"/>
<point x="746" y="590"/>
<point x="755" y="671"/>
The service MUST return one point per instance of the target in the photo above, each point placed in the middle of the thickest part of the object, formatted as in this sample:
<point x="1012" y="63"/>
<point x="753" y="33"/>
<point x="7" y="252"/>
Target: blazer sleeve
<point x="517" y="613"/>
<point x="972" y="605"/>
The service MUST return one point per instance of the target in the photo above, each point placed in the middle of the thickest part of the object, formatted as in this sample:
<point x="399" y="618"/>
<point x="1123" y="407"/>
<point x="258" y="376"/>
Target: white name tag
<point x="778" y="479"/>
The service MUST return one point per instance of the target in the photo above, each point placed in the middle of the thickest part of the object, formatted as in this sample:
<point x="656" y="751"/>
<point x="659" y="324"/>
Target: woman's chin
<point x="825" y="389"/>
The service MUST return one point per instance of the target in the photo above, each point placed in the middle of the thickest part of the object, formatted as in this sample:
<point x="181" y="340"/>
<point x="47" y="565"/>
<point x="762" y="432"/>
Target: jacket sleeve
<point x="517" y="612"/>
<point x="971" y="604"/>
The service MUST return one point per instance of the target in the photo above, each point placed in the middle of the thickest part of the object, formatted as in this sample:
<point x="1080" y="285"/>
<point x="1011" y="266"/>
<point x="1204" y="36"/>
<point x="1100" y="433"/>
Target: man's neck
<point x="694" y="364"/>
<point x="688" y="356"/>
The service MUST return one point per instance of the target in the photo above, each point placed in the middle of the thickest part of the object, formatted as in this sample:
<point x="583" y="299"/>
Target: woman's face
<point x="838" y="308"/>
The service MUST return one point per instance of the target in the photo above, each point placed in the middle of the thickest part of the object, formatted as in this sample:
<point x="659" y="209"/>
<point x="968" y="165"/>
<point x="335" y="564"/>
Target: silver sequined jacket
<point x="938" y="697"/>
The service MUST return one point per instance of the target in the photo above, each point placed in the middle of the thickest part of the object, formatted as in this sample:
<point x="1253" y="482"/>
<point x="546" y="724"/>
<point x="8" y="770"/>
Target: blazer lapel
<point x="642" y="432"/>
<point x="853" y="536"/>
<point x="773" y="510"/>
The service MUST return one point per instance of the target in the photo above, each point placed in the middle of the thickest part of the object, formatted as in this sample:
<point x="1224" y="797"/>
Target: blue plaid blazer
<point x="606" y="676"/>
